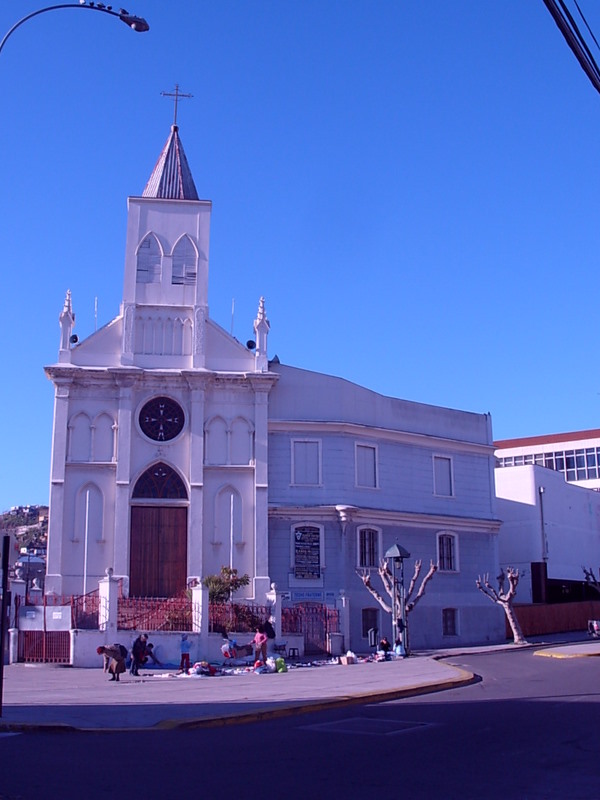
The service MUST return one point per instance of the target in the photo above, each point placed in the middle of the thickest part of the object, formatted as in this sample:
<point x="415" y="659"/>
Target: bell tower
<point x="165" y="294"/>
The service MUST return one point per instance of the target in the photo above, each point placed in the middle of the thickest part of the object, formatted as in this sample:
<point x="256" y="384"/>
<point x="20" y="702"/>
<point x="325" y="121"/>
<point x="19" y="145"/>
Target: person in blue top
<point x="185" y="647"/>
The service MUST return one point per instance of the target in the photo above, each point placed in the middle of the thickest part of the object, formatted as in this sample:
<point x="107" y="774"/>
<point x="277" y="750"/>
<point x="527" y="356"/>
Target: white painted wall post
<point x="274" y="600"/>
<point x="108" y="592"/>
<point x="200" y="614"/>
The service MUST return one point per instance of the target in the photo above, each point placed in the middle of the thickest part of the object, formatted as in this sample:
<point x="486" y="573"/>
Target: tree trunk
<point x="517" y="633"/>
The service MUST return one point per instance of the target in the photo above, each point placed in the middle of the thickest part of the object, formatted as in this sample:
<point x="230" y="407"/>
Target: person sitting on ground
<point x="151" y="655"/>
<point x="116" y="654"/>
<point x="385" y="647"/>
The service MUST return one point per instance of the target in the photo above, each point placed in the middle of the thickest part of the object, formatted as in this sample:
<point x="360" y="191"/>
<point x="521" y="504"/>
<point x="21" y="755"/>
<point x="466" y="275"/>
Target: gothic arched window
<point x="185" y="260"/>
<point x="149" y="259"/>
<point x="160" y="482"/>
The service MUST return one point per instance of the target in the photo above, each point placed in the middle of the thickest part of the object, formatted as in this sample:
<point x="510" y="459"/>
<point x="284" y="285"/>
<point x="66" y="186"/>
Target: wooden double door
<point x="158" y="551"/>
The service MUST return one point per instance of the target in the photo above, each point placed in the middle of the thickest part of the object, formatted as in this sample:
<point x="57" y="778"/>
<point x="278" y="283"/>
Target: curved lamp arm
<point x="138" y="24"/>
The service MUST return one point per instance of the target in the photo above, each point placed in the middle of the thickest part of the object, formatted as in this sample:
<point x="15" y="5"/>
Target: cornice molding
<point x="379" y="434"/>
<point x="360" y="516"/>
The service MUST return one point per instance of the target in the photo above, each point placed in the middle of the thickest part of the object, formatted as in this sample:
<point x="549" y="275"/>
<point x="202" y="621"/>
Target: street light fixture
<point x="138" y="24"/>
<point x="397" y="553"/>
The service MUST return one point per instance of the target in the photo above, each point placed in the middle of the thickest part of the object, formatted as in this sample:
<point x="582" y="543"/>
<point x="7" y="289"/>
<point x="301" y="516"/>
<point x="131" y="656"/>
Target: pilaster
<point x="123" y="475"/>
<point x="196" y="472"/>
<point x="56" y="519"/>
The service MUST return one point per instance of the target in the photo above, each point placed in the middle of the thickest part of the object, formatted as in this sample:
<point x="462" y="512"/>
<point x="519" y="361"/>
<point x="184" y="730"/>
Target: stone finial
<point x="66" y="321"/>
<point x="261" y="329"/>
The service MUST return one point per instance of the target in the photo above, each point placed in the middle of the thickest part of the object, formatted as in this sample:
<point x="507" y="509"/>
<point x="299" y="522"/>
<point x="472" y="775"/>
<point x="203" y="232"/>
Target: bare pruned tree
<point x="387" y="579"/>
<point x="591" y="579"/>
<point x="504" y="597"/>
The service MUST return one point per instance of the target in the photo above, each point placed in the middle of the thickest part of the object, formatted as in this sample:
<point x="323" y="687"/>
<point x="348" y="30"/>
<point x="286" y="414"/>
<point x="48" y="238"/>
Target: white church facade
<point x="177" y="450"/>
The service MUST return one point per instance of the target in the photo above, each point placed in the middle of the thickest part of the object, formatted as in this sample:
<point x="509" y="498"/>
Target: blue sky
<point x="413" y="187"/>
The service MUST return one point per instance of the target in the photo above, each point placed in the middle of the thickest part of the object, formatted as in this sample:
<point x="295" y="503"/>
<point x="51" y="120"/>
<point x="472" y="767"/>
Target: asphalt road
<point x="528" y="729"/>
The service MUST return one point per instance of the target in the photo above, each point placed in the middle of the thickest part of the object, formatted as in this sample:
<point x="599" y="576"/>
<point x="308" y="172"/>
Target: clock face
<point x="161" y="419"/>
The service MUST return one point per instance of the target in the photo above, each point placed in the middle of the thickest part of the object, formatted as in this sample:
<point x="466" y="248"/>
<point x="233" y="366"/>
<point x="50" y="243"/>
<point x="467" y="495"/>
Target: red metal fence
<point x="52" y="647"/>
<point x="238" y="617"/>
<point x="85" y="610"/>
<point x="43" y="646"/>
<point x="314" y="622"/>
<point x="155" y="614"/>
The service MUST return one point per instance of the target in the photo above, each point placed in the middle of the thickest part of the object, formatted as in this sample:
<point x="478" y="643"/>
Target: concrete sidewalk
<point x="49" y="696"/>
<point x="63" y="698"/>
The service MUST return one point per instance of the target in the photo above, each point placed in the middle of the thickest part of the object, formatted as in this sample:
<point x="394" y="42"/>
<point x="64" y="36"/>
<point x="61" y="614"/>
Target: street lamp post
<point x="138" y="24"/>
<point x="399" y="626"/>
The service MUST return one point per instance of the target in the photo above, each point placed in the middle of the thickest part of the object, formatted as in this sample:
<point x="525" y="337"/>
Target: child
<point x="260" y="644"/>
<point x="186" y="646"/>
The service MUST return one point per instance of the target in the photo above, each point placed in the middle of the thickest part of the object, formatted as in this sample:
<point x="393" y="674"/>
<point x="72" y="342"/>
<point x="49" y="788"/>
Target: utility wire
<point x="569" y="29"/>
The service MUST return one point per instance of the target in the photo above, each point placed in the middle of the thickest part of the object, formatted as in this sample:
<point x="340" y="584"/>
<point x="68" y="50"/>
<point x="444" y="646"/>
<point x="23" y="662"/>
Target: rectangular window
<point x="442" y="476"/>
<point x="368" y="547"/>
<point x="369" y="620"/>
<point x="447" y="552"/>
<point x="449" y="621"/>
<point x="306" y="462"/>
<point x="366" y="466"/>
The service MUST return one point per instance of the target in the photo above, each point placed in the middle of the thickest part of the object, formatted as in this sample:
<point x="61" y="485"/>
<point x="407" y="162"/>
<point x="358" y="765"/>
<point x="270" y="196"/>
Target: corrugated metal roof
<point x="171" y="178"/>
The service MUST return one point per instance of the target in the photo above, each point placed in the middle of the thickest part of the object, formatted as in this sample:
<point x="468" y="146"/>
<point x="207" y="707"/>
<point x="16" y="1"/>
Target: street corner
<point x="571" y="651"/>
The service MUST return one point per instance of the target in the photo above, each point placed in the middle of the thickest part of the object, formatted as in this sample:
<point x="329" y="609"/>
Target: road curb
<point x="556" y="654"/>
<point x="462" y="678"/>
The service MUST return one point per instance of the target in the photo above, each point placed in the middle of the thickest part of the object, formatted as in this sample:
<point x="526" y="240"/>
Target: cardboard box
<point x="347" y="660"/>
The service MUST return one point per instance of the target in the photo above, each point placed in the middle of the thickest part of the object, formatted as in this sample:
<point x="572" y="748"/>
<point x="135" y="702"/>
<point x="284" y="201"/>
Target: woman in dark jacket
<point x="138" y="653"/>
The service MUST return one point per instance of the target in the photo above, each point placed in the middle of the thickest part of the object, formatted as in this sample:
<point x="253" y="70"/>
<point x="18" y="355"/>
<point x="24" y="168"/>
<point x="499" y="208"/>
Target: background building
<point x="575" y="455"/>
<point x="550" y="529"/>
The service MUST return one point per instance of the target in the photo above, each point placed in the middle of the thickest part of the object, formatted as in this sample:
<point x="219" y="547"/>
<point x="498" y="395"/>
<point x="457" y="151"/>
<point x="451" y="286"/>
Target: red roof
<point x="574" y="436"/>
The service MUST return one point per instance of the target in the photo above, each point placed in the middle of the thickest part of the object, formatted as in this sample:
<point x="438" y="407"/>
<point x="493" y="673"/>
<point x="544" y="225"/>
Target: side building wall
<point x="430" y="489"/>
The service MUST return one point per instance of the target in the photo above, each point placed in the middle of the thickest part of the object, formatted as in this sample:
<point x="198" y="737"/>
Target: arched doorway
<point x="158" y="543"/>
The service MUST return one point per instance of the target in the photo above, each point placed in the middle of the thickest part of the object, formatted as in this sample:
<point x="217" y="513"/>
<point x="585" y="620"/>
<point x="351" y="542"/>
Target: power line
<point x="574" y="38"/>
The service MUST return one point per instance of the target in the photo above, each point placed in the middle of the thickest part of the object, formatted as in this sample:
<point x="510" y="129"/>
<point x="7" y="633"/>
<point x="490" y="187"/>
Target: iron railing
<point x="238" y="617"/>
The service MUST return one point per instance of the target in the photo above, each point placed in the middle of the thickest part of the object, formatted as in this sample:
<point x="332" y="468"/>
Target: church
<point x="178" y="450"/>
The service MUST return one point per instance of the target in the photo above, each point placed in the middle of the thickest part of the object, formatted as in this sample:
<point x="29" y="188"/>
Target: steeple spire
<point x="171" y="178"/>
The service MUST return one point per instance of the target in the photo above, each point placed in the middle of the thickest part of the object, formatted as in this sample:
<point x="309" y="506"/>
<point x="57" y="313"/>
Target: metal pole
<point x="394" y="604"/>
<point x="403" y="610"/>
<point x="3" y="609"/>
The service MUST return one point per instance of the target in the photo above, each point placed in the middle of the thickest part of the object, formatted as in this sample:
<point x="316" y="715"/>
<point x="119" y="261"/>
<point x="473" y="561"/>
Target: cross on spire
<point x="176" y="94"/>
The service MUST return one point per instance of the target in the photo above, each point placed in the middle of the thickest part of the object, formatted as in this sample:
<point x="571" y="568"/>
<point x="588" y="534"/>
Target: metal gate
<point x="315" y="621"/>
<point x="44" y="630"/>
<point x="48" y="647"/>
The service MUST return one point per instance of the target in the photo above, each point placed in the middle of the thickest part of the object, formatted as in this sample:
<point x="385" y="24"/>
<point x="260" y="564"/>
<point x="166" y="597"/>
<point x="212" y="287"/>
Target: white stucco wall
<point x="571" y="521"/>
